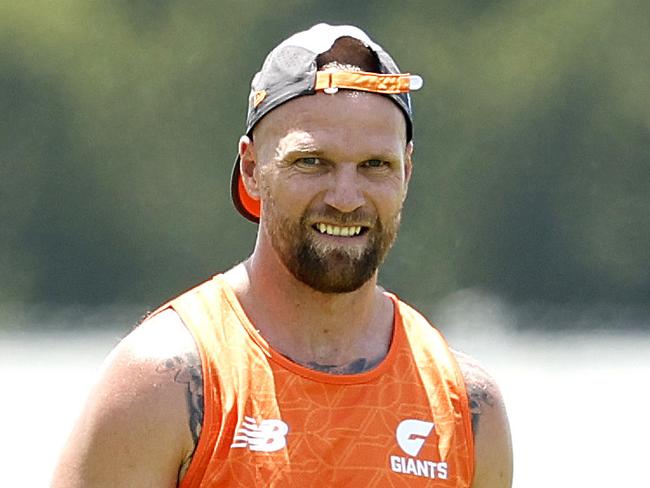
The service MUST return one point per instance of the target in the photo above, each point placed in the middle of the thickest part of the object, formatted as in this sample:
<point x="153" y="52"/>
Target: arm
<point x="140" y="425"/>
<point x="492" y="443"/>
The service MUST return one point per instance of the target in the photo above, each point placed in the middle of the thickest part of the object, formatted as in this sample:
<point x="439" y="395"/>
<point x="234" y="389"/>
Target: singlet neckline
<point x="397" y="339"/>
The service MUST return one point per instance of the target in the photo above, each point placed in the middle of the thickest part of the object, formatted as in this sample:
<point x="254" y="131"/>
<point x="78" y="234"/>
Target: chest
<point x="278" y="428"/>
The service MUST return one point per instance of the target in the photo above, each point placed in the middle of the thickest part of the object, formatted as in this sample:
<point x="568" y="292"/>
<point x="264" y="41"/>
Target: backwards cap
<point x="290" y="70"/>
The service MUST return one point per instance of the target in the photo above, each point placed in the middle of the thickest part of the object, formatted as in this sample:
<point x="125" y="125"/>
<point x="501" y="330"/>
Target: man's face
<point x="332" y="173"/>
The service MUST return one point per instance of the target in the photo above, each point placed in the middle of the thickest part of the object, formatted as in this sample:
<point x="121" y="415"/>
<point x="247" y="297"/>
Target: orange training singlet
<point x="269" y="422"/>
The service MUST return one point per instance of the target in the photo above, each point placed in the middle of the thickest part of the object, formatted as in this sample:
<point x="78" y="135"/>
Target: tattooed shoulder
<point x="186" y="370"/>
<point x="479" y="396"/>
<point x="480" y="388"/>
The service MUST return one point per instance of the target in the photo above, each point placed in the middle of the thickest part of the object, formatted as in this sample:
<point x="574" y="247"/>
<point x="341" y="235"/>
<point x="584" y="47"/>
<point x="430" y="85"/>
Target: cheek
<point x="390" y="195"/>
<point x="279" y="205"/>
<point x="271" y="188"/>
<point x="289" y="192"/>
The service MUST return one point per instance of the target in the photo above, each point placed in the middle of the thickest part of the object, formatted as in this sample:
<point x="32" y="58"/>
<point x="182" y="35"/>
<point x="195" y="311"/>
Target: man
<point x="294" y="368"/>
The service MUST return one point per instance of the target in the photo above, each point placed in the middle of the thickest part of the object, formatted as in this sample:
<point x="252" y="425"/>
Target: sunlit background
<point x="525" y="235"/>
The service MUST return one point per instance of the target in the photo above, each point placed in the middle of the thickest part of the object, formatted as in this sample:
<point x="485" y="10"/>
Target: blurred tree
<point x="120" y="122"/>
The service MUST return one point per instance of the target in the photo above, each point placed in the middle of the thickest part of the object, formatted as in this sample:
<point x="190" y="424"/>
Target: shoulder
<point x="490" y="427"/>
<point x="134" y="425"/>
<point x="482" y="388"/>
<point x="153" y="359"/>
<point x="141" y="366"/>
<point x="157" y="340"/>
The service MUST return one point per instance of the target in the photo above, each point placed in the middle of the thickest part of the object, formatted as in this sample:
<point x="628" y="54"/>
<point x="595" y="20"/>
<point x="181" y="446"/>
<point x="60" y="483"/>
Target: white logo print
<point x="267" y="436"/>
<point x="411" y="435"/>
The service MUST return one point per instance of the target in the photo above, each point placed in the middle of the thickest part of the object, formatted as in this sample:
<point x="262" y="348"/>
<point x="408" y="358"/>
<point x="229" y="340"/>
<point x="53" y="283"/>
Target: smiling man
<point x="295" y="368"/>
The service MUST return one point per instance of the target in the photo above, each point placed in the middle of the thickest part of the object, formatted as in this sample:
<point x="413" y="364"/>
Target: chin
<point x="334" y="272"/>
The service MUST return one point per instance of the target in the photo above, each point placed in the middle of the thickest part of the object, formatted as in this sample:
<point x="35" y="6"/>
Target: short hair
<point x="348" y="54"/>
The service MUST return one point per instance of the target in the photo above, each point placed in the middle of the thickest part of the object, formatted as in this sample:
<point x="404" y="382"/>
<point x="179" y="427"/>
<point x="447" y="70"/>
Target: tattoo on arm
<point x="480" y="391"/>
<point x="187" y="370"/>
<point x="478" y="396"/>
<point x="357" y="366"/>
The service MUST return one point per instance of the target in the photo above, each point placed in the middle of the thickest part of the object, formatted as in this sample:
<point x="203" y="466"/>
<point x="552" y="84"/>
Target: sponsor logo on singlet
<point x="266" y="436"/>
<point x="411" y="435"/>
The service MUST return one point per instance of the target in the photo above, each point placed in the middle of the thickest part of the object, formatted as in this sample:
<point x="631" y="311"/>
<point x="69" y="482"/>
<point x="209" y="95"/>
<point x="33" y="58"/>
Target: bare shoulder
<point x="490" y="427"/>
<point x="482" y="389"/>
<point x="136" y="427"/>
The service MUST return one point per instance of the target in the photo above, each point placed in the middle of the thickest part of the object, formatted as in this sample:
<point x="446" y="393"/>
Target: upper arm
<point x="490" y="427"/>
<point x="134" y="430"/>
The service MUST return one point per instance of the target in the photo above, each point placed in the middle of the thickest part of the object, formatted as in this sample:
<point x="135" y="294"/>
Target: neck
<point x="335" y="332"/>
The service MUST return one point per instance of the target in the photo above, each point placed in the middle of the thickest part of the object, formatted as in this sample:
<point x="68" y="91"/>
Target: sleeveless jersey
<point x="269" y="422"/>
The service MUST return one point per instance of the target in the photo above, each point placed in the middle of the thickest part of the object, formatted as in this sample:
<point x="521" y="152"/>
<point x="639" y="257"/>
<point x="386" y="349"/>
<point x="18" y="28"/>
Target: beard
<point x="324" y="267"/>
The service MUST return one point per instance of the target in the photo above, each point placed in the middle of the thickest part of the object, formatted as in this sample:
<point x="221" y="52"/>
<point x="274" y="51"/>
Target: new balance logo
<point x="267" y="436"/>
<point x="411" y="434"/>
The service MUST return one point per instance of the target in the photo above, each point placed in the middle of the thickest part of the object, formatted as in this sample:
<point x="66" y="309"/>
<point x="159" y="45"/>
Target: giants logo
<point x="411" y="435"/>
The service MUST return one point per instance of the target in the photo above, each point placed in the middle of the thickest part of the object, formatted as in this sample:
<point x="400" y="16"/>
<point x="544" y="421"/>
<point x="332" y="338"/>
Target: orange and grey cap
<point x="290" y="70"/>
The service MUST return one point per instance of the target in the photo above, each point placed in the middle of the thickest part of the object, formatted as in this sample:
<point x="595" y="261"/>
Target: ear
<point x="408" y="166"/>
<point x="248" y="166"/>
<point x="408" y="161"/>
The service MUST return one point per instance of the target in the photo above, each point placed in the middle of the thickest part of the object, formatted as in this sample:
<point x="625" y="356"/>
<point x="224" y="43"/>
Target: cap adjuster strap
<point x="331" y="81"/>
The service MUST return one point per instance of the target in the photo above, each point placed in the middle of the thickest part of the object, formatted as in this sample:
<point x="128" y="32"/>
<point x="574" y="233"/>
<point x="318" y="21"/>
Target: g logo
<point x="411" y="434"/>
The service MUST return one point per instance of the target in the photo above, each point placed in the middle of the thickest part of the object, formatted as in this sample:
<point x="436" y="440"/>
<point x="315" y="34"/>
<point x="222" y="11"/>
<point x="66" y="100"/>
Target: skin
<point x="490" y="427"/>
<point x="135" y="430"/>
<point x="313" y="155"/>
<point x="369" y="127"/>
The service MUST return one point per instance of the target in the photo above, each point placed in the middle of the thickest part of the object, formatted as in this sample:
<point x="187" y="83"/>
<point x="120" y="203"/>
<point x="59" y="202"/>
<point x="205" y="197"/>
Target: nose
<point x="344" y="193"/>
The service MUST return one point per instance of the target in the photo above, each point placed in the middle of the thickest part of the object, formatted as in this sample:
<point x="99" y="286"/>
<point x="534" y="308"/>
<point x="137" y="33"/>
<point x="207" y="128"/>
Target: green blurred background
<point x="120" y="121"/>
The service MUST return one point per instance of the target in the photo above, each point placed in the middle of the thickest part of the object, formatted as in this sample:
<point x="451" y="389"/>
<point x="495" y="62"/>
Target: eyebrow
<point x="387" y="155"/>
<point x="306" y="150"/>
<point x="317" y="153"/>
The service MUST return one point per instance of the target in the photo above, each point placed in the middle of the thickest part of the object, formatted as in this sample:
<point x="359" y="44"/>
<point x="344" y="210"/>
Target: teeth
<point x="335" y="230"/>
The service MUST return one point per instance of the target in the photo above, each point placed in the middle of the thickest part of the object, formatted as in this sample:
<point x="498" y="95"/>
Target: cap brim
<point x="246" y="205"/>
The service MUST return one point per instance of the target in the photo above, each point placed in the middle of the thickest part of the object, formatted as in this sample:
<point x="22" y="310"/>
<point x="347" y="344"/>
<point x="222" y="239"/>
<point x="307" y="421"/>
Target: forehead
<point x="347" y="118"/>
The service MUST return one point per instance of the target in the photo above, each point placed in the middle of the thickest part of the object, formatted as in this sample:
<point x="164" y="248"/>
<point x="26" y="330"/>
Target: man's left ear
<point x="408" y="161"/>
<point x="408" y="165"/>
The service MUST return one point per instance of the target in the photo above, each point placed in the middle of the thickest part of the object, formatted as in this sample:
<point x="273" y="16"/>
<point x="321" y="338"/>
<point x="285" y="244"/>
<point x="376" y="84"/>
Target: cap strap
<point x="331" y="81"/>
<point x="249" y="204"/>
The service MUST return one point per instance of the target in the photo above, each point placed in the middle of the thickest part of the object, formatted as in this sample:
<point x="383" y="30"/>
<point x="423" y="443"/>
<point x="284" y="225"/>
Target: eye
<point x="376" y="163"/>
<point x="309" y="162"/>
